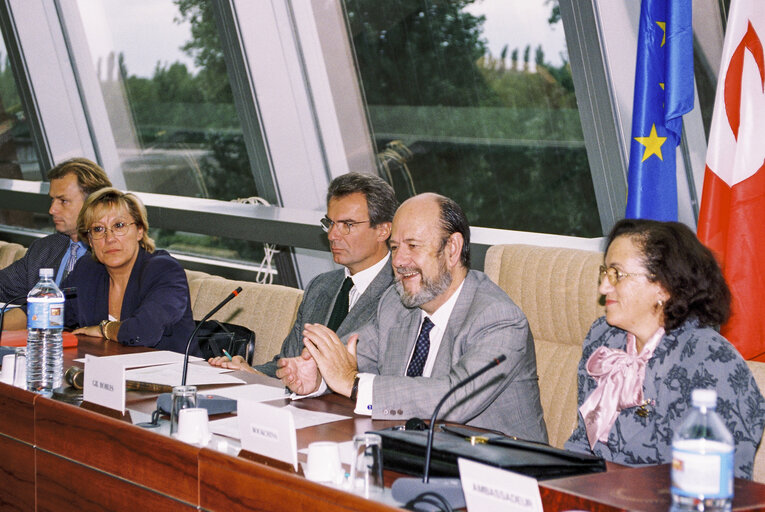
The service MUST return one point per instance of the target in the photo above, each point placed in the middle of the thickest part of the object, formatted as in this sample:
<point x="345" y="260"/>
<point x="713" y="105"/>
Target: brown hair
<point x="111" y="197"/>
<point x="90" y="175"/>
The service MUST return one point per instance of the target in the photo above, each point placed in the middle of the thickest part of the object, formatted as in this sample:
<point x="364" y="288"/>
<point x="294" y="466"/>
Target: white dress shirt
<point x="440" y="319"/>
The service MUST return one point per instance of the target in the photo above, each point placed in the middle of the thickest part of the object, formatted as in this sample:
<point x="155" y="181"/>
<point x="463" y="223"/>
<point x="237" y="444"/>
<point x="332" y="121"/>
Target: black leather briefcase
<point x="213" y="337"/>
<point x="404" y="451"/>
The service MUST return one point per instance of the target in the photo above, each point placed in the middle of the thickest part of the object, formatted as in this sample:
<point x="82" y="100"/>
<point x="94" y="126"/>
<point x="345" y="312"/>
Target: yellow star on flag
<point x="663" y="27"/>
<point x="652" y="144"/>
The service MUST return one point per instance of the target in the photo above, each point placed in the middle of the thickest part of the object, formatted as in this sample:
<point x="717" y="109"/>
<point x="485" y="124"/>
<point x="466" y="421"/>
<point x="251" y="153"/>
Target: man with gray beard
<point x="440" y="323"/>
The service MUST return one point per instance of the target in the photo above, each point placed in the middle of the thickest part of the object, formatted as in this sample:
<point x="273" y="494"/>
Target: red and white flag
<point x="732" y="217"/>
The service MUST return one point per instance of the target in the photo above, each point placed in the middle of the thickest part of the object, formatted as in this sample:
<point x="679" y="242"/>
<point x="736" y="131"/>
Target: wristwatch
<point x="355" y="388"/>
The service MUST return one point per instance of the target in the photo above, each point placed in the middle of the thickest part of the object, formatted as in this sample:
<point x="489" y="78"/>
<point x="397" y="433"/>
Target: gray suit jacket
<point x="316" y="307"/>
<point x="20" y="276"/>
<point x="484" y="324"/>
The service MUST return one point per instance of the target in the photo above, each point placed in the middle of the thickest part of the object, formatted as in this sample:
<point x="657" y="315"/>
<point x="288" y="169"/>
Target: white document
<point x="150" y="358"/>
<point x="172" y="374"/>
<point x="252" y="392"/>
<point x="305" y="418"/>
<point x="488" y="489"/>
<point x="228" y="427"/>
<point x="268" y="430"/>
<point x="104" y="382"/>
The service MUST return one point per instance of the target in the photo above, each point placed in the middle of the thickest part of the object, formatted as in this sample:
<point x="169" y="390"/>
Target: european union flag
<point x="663" y="93"/>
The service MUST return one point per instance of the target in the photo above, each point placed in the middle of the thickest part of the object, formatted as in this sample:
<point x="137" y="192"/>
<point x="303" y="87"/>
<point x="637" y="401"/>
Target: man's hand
<point x="336" y="362"/>
<point x="236" y="363"/>
<point x="300" y="374"/>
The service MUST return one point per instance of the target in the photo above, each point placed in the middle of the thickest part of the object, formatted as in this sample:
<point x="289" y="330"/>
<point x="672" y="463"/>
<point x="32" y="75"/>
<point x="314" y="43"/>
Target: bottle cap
<point x="46" y="272"/>
<point x="704" y="398"/>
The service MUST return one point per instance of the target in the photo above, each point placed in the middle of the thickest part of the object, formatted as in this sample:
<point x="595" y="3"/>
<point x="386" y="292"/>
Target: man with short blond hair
<point x="71" y="182"/>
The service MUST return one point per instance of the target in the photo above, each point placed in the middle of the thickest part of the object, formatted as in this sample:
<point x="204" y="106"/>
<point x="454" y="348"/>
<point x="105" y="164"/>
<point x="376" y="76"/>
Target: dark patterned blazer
<point x="156" y="308"/>
<point x="686" y="358"/>
<point x="20" y="276"/>
<point x="316" y="307"/>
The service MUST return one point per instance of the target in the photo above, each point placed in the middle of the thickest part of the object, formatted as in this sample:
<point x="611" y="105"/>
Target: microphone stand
<point x="450" y="489"/>
<point x="213" y="403"/>
<point x="194" y="332"/>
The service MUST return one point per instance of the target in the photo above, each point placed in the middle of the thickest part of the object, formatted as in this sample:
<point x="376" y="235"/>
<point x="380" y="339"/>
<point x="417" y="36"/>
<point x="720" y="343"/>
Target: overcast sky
<point x="144" y="30"/>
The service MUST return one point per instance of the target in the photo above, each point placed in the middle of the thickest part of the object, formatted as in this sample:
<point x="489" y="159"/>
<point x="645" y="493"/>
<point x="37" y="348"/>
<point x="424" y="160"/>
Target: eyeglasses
<point x="118" y="228"/>
<point x="615" y="275"/>
<point x="344" y="226"/>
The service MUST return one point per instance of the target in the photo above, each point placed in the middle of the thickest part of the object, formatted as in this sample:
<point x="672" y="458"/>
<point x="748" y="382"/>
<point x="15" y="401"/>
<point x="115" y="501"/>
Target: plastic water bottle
<point x="45" y="323"/>
<point x="702" y="458"/>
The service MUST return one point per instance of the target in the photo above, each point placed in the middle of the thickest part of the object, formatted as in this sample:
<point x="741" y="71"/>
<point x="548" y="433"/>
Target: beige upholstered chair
<point x="195" y="278"/>
<point x="557" y="289"/>
<point x="268" y="309"/>
<point x="10" y="252"/>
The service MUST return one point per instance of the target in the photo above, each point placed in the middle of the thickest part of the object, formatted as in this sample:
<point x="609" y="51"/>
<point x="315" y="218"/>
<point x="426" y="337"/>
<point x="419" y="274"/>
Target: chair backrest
<point x="557" y="289"/>
<point x="268" y="309"/>
<point x="10" y="252"/>
<point x="195" y="278"/>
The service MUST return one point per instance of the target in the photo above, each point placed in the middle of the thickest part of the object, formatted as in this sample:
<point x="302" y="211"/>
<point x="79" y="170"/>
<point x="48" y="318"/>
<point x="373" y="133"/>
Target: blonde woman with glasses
<point x="128" y="292"/>
<point x="664" y="294"/>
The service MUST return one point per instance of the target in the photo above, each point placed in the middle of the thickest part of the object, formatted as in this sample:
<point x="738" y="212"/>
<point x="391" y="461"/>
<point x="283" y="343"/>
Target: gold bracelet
<point x="102" y="326"/>
<point x="108" y="329"/>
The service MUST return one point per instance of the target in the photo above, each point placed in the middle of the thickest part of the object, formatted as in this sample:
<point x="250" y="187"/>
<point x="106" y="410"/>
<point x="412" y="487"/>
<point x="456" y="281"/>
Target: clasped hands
<point x="324" y="356"/>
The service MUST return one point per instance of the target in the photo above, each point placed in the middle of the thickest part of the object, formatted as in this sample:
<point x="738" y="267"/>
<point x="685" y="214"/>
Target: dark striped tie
<point x="421" y="349"/>
<point x="340" y="311"/>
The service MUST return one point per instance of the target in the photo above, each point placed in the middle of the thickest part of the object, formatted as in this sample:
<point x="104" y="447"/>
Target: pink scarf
<point x="620" y="377"/>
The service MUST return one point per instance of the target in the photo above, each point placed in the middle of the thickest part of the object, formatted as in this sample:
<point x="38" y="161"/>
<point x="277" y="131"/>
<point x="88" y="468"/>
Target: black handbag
<point x="213" y="337"/>
<point x="404" y="452"/>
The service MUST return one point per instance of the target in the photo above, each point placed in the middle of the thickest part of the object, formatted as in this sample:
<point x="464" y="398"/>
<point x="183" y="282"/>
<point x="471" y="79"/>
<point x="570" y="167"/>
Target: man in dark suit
<point x="360" y="209"/>
<point x="440" y="323"/>
<point x="71" y="182"/>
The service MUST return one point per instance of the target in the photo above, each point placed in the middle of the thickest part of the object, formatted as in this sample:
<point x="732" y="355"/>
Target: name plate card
<point x="268" y="431"/>
<point x="488" y="488"/>
<point x="104" y="382"/>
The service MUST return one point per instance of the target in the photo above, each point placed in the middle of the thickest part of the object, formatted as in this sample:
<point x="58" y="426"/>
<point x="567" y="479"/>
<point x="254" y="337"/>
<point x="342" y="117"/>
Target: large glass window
<point x="166" y="90"/>
<point x="477" y="100"/>
<point x="18" y="154"/>
<point x="165" y="87"/>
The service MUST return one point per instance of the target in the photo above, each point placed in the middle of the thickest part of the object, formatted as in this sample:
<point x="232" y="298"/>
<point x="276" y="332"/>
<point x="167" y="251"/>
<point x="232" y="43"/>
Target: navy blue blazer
<point x="156" y="308"/>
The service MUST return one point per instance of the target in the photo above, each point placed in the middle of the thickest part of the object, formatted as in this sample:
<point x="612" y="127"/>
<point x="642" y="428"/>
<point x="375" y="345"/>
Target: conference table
<point x="58" y="456"/>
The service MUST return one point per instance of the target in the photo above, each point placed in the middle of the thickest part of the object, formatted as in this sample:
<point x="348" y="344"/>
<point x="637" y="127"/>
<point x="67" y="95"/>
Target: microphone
<point x="214" y="404"/>
<point x="408" y="489"/>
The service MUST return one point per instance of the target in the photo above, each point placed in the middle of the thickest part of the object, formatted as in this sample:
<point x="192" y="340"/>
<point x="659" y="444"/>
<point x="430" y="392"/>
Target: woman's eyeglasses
<point x="615" y="275"/>
<point x="118" y="229"/>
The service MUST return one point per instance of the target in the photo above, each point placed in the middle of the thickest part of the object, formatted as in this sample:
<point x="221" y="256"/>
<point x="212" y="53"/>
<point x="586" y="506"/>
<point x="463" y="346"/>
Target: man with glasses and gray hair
<point x="360" y="210"/>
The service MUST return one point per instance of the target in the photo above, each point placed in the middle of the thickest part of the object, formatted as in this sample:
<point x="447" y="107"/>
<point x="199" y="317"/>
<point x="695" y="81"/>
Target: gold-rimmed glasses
<point x="615" y="275"/>
<point x="118" y="228"/>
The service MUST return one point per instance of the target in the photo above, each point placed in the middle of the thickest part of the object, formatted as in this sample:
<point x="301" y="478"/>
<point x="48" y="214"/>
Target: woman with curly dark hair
<point x="665" y="295"/>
